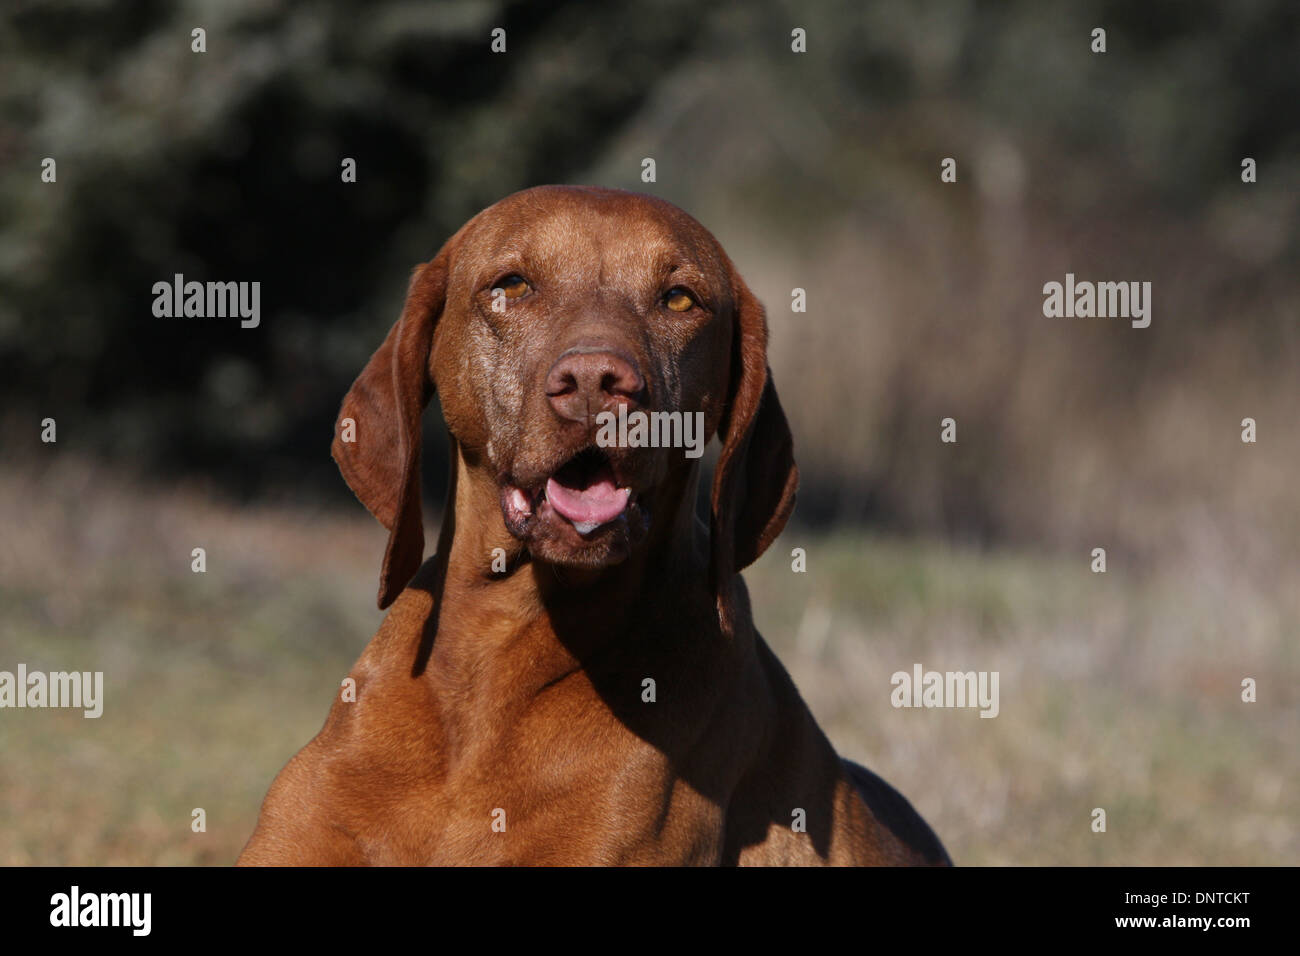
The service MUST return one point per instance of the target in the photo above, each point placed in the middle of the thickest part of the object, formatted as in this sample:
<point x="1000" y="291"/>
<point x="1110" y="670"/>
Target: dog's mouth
<point x="584" y="492"/>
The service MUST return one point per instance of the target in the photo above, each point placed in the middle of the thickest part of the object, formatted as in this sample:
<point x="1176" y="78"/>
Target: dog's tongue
<point x="590" y="507"/>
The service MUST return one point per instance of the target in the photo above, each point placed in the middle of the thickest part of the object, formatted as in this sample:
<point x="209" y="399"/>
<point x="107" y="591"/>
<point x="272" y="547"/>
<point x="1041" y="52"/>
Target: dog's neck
<point x="496" y="648"/>
<point x="541" y="621"/>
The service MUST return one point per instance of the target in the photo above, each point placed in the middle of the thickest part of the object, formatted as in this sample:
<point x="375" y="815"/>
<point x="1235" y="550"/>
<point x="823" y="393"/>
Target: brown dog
<point x="575" y="676"/>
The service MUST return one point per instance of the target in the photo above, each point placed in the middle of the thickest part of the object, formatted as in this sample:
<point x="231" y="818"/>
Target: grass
<point x="1119" y="691"/>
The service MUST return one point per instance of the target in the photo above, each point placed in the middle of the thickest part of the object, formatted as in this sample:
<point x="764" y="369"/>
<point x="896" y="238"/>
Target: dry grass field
<point x="1118" y="691"/>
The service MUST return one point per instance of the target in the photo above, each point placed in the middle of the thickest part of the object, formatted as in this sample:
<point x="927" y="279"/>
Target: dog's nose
<point x="584" y="382"/>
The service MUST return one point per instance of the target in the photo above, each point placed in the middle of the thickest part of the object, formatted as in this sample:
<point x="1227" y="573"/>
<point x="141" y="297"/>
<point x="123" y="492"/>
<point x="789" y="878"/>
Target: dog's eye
<point x="513" y="286"/>
<point x="679" y="300"/>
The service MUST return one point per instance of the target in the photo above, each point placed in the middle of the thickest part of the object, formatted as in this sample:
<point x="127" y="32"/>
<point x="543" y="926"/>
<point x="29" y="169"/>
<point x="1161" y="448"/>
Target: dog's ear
<point x="377" y="436"/>
<point x="755" y="477"/>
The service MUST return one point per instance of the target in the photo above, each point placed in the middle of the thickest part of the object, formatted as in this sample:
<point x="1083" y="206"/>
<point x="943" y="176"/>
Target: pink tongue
<point x="594" y="505"/>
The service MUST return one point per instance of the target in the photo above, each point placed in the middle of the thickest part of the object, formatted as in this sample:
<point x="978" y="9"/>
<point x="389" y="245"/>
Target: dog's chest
<point x="562" y="781"/>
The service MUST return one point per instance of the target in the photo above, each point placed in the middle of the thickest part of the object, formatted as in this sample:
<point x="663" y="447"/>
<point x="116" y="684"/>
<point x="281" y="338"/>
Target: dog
<point x="574" y="677"/>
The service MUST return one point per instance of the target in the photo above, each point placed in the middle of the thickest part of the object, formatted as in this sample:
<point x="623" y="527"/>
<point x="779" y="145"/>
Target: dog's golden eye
<point x="679" y="300"/>
<point x="513" y="286"/>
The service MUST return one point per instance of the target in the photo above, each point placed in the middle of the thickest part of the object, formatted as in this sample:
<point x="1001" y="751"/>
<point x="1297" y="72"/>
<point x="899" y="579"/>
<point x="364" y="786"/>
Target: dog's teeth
<point x="519" y="501"/>
<point x="586" y="527"/>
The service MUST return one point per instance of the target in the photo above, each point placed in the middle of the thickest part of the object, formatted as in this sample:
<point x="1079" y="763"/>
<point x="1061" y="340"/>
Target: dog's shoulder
<point x="892" y="811"/>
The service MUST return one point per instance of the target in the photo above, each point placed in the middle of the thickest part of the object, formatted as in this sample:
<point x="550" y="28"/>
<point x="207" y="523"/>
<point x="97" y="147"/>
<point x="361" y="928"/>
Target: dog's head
<point x="562" y="328"/>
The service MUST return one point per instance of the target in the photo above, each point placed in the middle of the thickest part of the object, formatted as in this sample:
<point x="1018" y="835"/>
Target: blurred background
<point x="819" y="171"/>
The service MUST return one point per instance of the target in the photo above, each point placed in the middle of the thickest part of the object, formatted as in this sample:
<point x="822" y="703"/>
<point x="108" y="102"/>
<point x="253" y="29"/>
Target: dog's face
<point x="564" y="304"/>
<point x="545" y="316"/>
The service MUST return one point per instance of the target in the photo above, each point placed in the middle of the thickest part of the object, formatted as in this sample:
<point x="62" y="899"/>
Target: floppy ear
<point x="755" y="478"/>
<point x="377" y="436"/>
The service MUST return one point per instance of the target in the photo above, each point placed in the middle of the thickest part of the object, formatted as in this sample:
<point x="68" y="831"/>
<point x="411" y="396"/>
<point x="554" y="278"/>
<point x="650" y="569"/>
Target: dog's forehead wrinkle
<point x="495" y="375"/>
<point x="597" y="237"/>
<point x="667" y="367"/>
